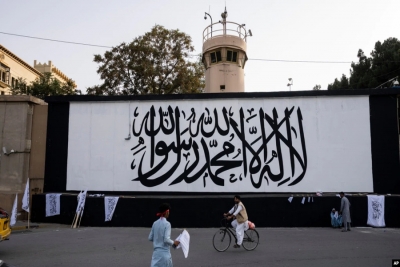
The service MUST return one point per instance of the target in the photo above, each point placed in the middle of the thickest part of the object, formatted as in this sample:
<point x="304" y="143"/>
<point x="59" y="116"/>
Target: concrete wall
<point x="88" y="143"/>
<point x="16" y="128"/>
<point x="230" y="75"/>
<point x="224" y="74"/>
<point x="263" y="210"/>
<point x="38" y="148"/>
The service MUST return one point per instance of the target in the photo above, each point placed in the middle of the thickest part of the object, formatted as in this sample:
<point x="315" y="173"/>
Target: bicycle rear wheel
<point x="250" y="239"/>
<point x="221" y="240"/>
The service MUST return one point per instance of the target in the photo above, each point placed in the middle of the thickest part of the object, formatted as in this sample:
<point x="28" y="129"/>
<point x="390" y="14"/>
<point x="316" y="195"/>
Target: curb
<point x="25" y="227"/>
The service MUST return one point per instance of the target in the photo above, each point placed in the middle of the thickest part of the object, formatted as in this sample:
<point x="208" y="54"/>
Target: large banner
<point x="298" y="144"/>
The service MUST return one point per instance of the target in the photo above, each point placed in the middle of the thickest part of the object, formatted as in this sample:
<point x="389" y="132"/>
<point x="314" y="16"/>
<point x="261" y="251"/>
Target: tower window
<point x="231" y="56"/>
<point x="234" y="56"/>
<point x="219" y="58"/>
<point x="215" y="56"/>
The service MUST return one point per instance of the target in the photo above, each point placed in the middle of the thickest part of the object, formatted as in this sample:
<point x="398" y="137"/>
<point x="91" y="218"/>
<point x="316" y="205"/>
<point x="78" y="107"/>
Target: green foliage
<point x="370" y="72"/>
<point x="155" y="63"/>
<point x="317" y="87"/>
<point x="46" y="85"/>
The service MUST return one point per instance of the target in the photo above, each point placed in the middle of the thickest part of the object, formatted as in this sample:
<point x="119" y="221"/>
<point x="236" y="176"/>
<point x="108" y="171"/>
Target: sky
<point x="294" y="30"/>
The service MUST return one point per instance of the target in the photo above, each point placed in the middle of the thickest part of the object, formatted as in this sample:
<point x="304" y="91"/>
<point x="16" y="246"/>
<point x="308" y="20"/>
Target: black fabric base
<point x="206" y="211"/>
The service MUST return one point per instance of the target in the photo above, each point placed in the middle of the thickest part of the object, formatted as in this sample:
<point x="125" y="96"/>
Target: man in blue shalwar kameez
<point x="336" y="219"/>
<point x="160" y="236"/>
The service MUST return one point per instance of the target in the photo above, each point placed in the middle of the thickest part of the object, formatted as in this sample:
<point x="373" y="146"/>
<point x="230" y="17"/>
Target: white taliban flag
<point x="52" y="204"/>
<point x="14" y="211"/>
<point x="81" y="202"/>
<point x="110" y="203"/>
<point x="184" y="239"/>
<point x="376" y="211"/>
<point x="25" y="198"/>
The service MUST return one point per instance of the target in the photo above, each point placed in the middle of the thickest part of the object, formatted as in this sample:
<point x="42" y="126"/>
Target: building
<point x="13" y="67"/>
<point x="201" y="149"/>
<point x="224" y="55"/>
<point x="23" y="127"/>
<point x="42" y="68"/>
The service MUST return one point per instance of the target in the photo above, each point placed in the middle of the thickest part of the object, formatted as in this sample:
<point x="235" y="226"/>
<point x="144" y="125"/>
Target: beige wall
<point x="228" y="74"/>
<point x="17" y="67"/>
<point x="38" y="148"/>
<point x="16" y="132"/>
<point x="224" y="73"/>
<point x="49" y="67"/>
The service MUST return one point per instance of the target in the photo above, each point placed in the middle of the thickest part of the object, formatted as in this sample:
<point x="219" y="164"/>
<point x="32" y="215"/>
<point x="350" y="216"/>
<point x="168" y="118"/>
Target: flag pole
<point x="73" y="221"/>
<point x="76" y="220"/>
<point x="29" y="203"/>
<point x="80" y="219"/>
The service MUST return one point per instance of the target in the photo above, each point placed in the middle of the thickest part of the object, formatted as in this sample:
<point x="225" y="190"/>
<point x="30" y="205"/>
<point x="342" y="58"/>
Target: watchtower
<point x="224" y="55"/>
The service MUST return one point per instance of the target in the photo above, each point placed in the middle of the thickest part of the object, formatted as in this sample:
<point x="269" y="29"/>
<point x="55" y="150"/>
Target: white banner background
<point x="336" y="133"/>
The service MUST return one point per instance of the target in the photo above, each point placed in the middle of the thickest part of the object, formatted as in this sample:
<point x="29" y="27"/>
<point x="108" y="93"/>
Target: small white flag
<point x="303" y="200"/>
<point x="25" y="198"/>
<point x="184" y="239"/>
<point x="110" y="203"/>
<point x="52" y="204"/>
<point x="290" y="199"/>
<point x="14" y="211"/>
<point x="376" y="211"/>
<point x="81" y="202"/>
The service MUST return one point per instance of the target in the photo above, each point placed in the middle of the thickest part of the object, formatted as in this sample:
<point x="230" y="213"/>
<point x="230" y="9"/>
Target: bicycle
<point x="222" y="238"/>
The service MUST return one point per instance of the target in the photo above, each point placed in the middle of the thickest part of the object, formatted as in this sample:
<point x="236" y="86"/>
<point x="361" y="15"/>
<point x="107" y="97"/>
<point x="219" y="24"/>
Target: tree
<point x="46" y="85"/>
<point x="370" y="72"/>
<point x="154" y="63"/>
<point x="317" y="87"/>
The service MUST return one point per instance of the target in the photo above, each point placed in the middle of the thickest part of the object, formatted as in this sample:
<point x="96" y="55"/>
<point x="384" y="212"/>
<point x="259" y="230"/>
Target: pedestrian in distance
<point x="345" y="212"/>
<point x="336" y="219"/>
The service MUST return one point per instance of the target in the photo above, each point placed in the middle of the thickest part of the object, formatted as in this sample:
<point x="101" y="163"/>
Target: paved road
<point x="61" y="246"/>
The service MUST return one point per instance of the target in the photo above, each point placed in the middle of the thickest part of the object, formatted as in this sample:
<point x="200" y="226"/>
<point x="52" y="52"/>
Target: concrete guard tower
<point x="224" y="55"/>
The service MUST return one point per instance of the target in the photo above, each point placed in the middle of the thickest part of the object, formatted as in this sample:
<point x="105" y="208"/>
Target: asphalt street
<point x="59" y="245"/>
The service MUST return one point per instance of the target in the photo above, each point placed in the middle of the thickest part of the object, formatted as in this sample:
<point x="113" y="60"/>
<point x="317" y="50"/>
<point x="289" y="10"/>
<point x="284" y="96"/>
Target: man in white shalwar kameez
<point x="160" y="236"/>
<point x="345" y="212"/>
<point x="240" y="222"/>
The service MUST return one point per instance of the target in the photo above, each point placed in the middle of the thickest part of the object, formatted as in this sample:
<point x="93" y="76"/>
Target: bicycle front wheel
<point x="221" y="240"/>
<point x="250" y="239"/>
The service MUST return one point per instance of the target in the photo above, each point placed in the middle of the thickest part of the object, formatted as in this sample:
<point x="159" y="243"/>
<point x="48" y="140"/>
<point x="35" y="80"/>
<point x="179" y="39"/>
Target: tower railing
<point x="227" y="28"/>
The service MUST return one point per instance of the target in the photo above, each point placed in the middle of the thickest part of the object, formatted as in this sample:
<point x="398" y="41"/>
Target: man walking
<point x="345" y="212"/>
<point x="240" y="223"/>
<point x="160" y="236"/>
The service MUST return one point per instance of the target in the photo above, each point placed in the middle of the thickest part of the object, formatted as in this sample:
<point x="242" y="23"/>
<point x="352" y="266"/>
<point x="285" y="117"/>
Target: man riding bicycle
<point x="240" y="223"/>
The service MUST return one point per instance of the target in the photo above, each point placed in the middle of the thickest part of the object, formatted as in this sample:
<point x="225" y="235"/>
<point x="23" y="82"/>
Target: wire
<point x="53" y="40"/>
<point x="255" y="59"/>
<point x="300" y="61"/>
